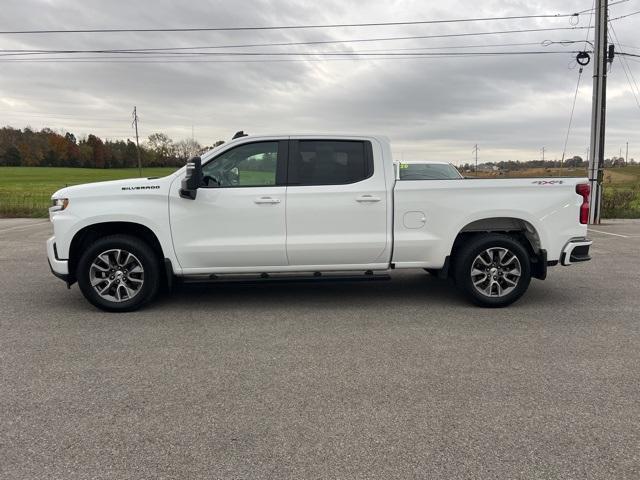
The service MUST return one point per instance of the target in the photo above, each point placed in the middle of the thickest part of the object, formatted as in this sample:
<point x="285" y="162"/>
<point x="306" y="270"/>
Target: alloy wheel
<point x="496" y="272"/>
<point x="116" y="275"/>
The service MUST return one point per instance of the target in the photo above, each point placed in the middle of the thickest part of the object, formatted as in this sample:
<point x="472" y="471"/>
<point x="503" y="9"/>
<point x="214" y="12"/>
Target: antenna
<point x="239" y="134"/>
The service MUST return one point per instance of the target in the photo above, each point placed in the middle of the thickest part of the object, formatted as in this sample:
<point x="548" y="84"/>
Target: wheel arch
<point x="520" y="229"/>
<point x="90" y="233"/>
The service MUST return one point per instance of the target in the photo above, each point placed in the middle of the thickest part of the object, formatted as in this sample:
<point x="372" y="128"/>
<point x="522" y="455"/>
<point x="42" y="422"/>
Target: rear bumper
<point x="60" y="268"/>
<point x="576" y="250"/>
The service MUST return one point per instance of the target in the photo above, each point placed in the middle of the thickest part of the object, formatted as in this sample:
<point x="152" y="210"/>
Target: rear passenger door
<point x="336" y="209"/>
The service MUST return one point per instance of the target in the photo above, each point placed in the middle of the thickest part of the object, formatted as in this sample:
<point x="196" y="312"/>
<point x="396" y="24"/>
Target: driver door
<point x="237" y="220"/>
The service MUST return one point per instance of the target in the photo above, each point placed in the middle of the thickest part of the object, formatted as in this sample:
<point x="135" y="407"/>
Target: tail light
<point x="584" y="189"/>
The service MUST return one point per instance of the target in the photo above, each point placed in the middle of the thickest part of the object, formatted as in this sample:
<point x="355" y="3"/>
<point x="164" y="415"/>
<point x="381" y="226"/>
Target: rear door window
<point x="329" y="162"/>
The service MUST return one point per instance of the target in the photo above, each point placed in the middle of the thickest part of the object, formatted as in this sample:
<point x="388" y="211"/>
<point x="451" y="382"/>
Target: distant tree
<point x="86" y="155"/>
<point x="73" y="154"/>
<point x="11" y="157"/>
<point x="71" y="138"/>
<point x="187" y="148"/>
<point x="131" y="155"/>
<point x="30" y="153"/>
<point x="617" y="162"/>
<point x="162" y="146"/>
<point x="575" y="161"/>
<point x="98" y="151"/>
<point x="57" y="149"/>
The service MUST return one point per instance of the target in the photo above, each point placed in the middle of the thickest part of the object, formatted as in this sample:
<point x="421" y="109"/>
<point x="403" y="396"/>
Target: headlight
<point x="59" y="204"/>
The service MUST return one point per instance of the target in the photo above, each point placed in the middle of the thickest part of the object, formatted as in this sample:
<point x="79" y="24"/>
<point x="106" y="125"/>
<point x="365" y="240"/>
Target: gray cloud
<point x="511" y="106"/>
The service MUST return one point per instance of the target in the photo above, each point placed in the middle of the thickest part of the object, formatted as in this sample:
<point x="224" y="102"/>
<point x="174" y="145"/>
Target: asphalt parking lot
<point x="398" y="379"/>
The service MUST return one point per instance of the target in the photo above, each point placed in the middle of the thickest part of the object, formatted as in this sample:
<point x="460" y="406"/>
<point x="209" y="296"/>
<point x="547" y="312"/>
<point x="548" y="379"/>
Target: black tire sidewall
<point x="141" y="250"/>
<point x="469" y="252"/>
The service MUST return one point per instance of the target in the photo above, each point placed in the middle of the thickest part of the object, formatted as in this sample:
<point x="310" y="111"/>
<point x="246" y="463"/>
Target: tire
<point x="492" y="270"/>
<point x="126" y="280"/>
<point x="434" y="272"/>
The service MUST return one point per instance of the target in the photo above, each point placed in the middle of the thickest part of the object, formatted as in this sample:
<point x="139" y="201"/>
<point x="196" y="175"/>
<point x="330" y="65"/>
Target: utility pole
<point x="626" y="156"/>
<point x="543" y="149"/>
<point x="587" y="157"/>
<point x="598" y="112"/>
<point x="475" y="150"/>
<point x="135" y="123"/>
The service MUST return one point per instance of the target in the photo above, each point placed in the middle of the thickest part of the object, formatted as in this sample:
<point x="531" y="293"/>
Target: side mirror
<point x="192" y="180"/>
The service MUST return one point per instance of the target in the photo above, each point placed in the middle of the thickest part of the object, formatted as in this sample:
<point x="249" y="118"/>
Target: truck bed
<point x="429" y="214"/>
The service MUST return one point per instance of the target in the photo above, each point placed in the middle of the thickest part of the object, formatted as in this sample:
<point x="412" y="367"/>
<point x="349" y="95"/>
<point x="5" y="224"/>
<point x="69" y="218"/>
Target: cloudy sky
<point x="431" y="108"/>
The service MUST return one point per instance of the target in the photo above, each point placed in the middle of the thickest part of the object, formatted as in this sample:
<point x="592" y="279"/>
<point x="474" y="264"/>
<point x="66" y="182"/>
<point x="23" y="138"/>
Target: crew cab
<point x="311" y="206"/>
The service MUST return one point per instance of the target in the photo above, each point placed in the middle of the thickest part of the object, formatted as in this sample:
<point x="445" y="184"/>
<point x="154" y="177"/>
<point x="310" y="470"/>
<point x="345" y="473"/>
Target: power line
<point x="592" y="9"/>
<point x="626" y="45"/>
<point x="573" y="107"/>
<point x="355" y="40"/>
<point x="291" y="27"/>
<point x="338" y="54"/>
<point x="625" y="54"/>
<point x="586" y="40"/>
<point x="624" y="16"/>
<point x="305" y="27"/>
<point x="24" y="52"/>
<point x="309" y="57"/>
<point x="629" y="74"/>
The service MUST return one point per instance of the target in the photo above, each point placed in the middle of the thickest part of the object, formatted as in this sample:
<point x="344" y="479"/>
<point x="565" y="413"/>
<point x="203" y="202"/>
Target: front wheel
<point x="119" y="273"/>
<point x="493" y="270"/>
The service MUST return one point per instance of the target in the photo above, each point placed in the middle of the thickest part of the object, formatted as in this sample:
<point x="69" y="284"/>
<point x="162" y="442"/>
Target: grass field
<point x="26" y="191"/>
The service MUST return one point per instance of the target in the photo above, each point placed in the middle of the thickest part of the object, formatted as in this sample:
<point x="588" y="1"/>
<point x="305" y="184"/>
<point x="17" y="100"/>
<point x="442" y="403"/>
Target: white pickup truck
<point x="315" y="205"/>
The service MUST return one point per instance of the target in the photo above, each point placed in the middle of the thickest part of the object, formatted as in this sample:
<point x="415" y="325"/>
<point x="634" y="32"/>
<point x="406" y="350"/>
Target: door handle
<point x="367" y="199"/>
<point x="266" y="200"/>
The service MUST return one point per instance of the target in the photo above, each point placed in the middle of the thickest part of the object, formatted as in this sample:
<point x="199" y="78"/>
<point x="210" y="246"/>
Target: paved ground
<point x="397" y="379"/>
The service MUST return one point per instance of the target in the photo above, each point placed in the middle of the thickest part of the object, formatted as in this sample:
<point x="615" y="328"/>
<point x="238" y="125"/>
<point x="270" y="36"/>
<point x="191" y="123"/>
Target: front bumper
<point x="60" y="268"/>
<point x="576" y="250"/>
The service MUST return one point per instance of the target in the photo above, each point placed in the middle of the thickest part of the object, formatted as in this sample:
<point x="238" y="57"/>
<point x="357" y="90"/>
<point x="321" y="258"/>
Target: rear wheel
<point x="493" y="270"/>
<point x="118" y="273"/>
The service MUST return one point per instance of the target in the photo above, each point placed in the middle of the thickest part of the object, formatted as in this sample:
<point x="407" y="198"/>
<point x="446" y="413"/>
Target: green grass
<point x="622" y="192"/>
<point x="255" y="178"/>
<point x="51" y="178"/>
<point x="26" y="191"/>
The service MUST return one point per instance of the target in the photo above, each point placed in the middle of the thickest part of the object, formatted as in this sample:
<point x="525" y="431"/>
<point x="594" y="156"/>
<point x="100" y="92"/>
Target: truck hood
<point x="129" y="186"/>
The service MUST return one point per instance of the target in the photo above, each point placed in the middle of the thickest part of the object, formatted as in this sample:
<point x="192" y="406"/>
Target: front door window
<point x="249" y="165"/>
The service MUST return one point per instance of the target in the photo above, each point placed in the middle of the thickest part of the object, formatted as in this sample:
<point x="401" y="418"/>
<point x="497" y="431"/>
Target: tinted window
<point x="249" y="165"/>
<point x="428" y="171"/>
<point x="323" y="162"/>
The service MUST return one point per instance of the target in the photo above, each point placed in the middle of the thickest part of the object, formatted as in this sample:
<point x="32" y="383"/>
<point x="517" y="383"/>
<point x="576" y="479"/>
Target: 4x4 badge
<point x="548" y="182"/>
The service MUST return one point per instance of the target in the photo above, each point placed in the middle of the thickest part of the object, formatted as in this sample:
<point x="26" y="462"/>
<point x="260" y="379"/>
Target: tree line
<point x="573" y="162"/>
<point x="47" y="148"/>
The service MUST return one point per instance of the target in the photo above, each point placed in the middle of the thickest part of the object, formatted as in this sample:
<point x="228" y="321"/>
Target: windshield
<point x="428" y="171"/>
